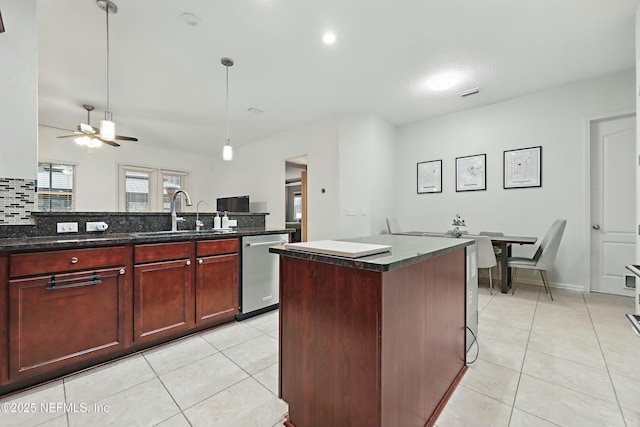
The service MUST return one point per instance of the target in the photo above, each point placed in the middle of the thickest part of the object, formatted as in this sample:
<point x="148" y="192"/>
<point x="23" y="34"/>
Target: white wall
<point x="555" y="119"/>
<point x="366" y="153"/>
<point x="349" y="156"/>
<point x="97" y="171"/>
<point x="258" y="169"/>
<point x="19" y="89"/>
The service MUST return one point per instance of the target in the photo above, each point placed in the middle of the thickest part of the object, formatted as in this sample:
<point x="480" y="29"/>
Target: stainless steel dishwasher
<point x="260" y="290"/>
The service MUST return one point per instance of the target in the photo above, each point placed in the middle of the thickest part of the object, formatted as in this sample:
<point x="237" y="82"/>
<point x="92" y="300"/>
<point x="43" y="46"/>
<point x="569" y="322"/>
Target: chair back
<point x="486" y="256"/>
<point x="548" y="249"/>
<point x="393" y="226"/>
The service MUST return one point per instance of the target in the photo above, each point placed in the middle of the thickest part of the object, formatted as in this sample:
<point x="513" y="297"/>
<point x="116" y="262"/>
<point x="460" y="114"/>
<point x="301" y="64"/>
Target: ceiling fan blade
<point x="112" y="143"/>
<point x="75" y="135"/>
<point x="55" y="127"/>
<point x="126" y="138"/>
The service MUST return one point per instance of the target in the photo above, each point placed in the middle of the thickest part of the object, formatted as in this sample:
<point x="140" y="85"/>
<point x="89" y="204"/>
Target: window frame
<point x="50" y="192"/>
<point x="156" y="184"/>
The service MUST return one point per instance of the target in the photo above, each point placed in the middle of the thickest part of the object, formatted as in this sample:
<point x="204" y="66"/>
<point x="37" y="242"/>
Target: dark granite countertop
<point x="70" y="241"/>
<point x="405" y="250"/>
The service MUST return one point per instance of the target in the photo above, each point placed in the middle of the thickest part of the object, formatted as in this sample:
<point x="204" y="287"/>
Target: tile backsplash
<point x="17" y="201"/>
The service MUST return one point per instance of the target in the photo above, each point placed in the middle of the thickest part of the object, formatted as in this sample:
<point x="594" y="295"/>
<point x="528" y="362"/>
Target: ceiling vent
<point x="469" y="92"/>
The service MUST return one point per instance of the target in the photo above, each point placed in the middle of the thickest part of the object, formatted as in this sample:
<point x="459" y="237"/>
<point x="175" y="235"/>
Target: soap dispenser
<point x="216" y="221"/>
<point x="225" y="220"/>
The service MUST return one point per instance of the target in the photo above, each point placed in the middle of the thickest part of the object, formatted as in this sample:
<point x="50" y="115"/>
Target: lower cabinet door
<point x="162" y="299"/>
<point x="55" y="321"/>
<point x="217" y="288"/>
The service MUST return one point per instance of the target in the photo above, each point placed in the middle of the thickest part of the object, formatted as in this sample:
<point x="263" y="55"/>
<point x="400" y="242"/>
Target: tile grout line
<point x="615" y="393"/>
<point x="515" y="396"/>
<point x="220" y="391"/>
<point x="168" y="392"/>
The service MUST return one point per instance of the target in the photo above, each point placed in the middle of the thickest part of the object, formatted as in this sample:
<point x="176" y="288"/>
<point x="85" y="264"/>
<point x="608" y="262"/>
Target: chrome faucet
<point x="174" y="218"/>
<point x="199" y="223"/>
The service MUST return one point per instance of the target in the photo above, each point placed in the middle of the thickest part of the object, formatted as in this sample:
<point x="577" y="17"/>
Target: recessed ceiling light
<point x="329" y="38"/>
<point x="190" y="19"/>
<point x="443" y="81"/>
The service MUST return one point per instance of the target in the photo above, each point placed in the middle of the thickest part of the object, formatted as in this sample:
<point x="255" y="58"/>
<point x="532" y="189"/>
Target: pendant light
<point x="107" y="126"/>
<point x="227" y="150"/>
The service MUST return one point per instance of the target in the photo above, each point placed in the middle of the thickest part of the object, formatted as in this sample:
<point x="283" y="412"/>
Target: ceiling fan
<point x="85" y="130"/>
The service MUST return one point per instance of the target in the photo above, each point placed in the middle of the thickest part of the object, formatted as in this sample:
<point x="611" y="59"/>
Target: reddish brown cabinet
<point x="64" y="318"/>
<point x="64" y="310"/>
<point x="162" y="290"/>
<point x="216" y="281"/>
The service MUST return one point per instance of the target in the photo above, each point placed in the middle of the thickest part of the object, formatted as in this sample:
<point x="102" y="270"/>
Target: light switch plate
<point x="67" y="227"/>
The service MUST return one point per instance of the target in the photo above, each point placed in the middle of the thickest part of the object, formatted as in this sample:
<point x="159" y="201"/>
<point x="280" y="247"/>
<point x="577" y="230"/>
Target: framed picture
<point x="523" y="167"/>
<point x="471" y="173"/>
<point x="430" y="177"/>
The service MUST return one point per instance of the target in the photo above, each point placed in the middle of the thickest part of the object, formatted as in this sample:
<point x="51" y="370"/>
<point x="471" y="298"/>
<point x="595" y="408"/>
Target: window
<point x="297" y="205"/>
<point x="56" y="187"/>
<point x="148" y="189"/>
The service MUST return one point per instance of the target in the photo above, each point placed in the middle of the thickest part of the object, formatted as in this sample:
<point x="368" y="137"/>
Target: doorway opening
<point x="295" y="187"/>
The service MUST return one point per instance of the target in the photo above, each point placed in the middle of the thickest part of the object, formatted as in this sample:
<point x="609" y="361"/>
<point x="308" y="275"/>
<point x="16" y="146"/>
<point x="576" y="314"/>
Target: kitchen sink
<point x="166" y="233"/>
<point x="178" y="233"/>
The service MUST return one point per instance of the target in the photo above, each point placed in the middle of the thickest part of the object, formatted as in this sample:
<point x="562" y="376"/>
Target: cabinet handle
<point x="74" y="260"/>
<point x="94" y="279"/>
<point x="121" y="271"/>
<point x="189" y="262"/>
<point x="199" y="261"/>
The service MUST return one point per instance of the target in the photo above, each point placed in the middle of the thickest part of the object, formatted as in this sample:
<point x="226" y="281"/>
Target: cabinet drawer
<point x="216" y="247"/>
<point x="59" y="261"/>
<point x="162" y="252"/>
<point x="54" y="327"/>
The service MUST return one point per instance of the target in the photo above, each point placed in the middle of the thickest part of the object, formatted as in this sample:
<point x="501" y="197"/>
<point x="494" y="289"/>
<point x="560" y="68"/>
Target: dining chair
<point x="486" y="257"/>
<point x="393" y="226"/>
<point x="496" y="249"/>
<point x="544" y="257"/>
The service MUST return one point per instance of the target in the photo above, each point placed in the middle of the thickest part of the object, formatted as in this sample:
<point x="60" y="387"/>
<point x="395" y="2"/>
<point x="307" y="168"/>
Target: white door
<point x="613" y="203"/>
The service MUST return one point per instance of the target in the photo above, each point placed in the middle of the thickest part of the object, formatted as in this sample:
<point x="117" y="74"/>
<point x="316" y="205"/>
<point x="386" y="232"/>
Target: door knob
<point x="596" y="227"/>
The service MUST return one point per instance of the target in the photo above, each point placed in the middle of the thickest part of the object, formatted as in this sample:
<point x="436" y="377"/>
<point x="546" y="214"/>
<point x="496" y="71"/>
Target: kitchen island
<point x="372" y="341"/>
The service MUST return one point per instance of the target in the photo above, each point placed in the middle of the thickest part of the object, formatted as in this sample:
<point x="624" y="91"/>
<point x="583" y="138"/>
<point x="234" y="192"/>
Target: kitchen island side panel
<point x="359" y="347"/>
<point x="423" y="332"/>
<point x="329" y="343"/>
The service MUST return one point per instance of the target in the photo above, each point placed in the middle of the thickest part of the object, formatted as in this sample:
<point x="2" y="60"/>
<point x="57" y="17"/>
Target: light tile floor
<point x="227" y="376"/>
<point x="570" y="362"/>
<point x="574" y="361"/>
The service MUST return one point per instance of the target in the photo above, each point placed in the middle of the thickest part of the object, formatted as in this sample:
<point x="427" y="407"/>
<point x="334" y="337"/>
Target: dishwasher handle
<point x="271" y="243"/>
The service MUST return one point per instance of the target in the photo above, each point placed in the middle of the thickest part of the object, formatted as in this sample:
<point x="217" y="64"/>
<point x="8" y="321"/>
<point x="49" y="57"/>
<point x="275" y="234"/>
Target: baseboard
<point x="556" y="285"/>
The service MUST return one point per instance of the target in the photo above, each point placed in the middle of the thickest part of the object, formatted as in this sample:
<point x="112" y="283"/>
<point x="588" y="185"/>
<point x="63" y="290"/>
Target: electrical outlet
<point x="67" y="227"/>
<point x="97" y="226"/>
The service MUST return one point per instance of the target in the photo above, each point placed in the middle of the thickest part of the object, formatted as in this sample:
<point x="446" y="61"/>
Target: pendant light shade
<point x="227" y="150"/>
<point x="107" y="126"/>
<point x="108" y="130"/>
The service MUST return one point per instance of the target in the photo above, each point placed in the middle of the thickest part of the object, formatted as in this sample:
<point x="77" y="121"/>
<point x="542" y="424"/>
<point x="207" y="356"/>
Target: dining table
<point x="504" y="244"/>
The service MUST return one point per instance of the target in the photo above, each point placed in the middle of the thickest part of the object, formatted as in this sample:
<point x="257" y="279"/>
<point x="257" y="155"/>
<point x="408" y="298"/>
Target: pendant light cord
<point x="227" y="108"/>
<point x="108" y="112"/>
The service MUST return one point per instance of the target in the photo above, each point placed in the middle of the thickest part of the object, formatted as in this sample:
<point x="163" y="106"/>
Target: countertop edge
<point x="365" y="263"/>
<point x="98" y="240"/>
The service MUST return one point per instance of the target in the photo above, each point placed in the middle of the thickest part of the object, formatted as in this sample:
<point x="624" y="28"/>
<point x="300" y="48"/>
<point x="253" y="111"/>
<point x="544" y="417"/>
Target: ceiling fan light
<point x="227" y="152"/>
<point x="93" y="142"/>
<point x="82" y="140"/>
<point x="107" y="130"/>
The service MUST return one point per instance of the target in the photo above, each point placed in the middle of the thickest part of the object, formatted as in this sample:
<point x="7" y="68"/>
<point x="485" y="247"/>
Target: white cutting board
<point x="339" y="248"/>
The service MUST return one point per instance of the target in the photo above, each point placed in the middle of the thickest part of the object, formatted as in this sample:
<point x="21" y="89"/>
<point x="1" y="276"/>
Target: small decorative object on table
<point x="457" y="223"/>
